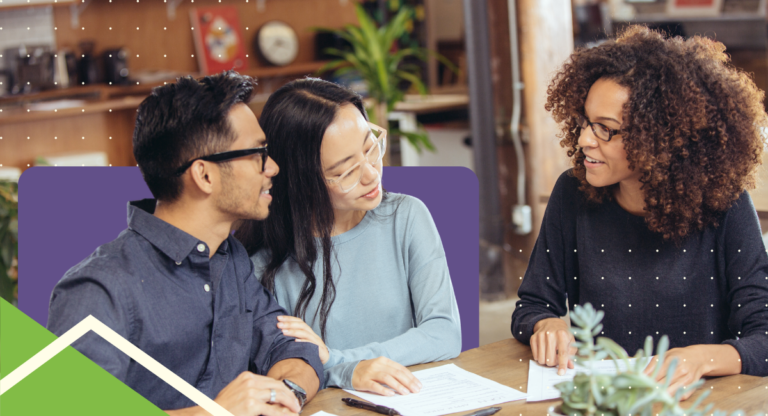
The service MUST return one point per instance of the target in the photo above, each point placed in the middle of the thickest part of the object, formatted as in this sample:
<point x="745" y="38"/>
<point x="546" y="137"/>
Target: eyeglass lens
<point x="600" y="131"/>
<point x="374" y="152"/>
<point x="264" y="157"/>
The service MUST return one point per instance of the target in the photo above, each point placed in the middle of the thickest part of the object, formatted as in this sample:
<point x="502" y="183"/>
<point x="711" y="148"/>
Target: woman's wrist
<point x="719" y="359"/>
<point x="333" y="359"/>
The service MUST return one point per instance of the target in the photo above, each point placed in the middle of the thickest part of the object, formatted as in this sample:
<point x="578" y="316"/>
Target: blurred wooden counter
<point x="506" y="362"/>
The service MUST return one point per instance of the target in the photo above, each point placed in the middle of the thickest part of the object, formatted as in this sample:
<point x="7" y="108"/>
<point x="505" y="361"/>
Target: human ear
<point x="202" y="176"/>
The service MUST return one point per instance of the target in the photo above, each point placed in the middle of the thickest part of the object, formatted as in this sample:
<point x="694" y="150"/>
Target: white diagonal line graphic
<point x="92" y="324"/>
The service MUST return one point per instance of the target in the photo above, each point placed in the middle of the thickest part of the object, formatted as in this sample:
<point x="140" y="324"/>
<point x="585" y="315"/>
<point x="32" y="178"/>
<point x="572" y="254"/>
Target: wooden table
<point x="506" y="362"/>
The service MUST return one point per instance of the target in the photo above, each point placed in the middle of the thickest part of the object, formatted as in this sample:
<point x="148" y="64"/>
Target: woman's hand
<point x="551" y="344"/>
<point x="691" y="366"/>
<point x="295" y="327"/>
<point x="694" y="362"/>
<point x="369" y="375"/>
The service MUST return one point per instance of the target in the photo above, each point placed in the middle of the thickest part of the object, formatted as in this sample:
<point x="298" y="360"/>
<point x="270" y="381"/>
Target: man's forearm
<point x="297" y="371"/>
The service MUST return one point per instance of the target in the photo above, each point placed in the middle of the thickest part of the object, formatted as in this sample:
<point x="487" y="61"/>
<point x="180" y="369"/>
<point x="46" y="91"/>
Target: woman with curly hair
<point x="653" y="223"/>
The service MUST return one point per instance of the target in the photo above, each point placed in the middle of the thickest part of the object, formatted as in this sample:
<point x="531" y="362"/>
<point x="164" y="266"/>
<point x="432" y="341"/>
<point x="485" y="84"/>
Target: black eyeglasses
<point x="601" y="132"/>
<point x="228" y="155"/>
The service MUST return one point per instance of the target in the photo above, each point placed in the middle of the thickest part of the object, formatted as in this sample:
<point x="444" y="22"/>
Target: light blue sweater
<point x="393" y="291"/>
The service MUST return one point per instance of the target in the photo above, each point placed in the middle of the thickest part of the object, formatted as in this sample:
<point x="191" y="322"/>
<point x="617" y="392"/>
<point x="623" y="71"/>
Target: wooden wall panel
<point x="64" y="136"/>
<point x="161" y="43"/>
<point x="546" y="41"/>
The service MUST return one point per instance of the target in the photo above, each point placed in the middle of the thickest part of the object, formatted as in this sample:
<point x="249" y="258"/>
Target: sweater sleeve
<point x="746" y="268"/>
<point x="436" y="334"/>
<point x="543" y="291"/>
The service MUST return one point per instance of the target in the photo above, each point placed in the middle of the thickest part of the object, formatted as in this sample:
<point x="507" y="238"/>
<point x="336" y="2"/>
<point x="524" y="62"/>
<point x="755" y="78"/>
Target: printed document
<point x="542" y="380"/>
<point x="446" y="389"/>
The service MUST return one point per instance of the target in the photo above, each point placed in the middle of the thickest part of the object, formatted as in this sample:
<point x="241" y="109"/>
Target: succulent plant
<point x="629" y="391"/>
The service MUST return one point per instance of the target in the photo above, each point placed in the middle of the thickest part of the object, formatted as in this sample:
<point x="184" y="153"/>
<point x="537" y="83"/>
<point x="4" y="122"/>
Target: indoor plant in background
<point x="629" y="392"/>
<point x="9" y="238"/>
<point x="374" y="55"/>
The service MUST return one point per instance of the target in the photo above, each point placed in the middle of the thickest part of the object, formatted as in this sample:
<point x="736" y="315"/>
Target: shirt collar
<point x="172" y="241"/>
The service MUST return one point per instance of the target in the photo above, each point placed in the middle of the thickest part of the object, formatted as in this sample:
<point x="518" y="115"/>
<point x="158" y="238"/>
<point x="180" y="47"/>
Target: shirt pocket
<point x="233" y="337"/>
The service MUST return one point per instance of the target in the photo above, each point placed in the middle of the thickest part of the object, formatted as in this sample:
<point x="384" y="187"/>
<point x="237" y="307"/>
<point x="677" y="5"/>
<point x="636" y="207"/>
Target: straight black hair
<point x="182" y="121"/>
<point x="294" y="120"/>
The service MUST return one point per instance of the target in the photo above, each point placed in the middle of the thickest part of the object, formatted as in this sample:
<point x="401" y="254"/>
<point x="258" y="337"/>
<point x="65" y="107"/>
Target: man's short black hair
<point x="183" y="121"/>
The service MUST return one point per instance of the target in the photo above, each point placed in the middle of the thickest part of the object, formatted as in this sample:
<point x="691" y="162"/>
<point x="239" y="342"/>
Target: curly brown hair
<point x="693" y="124"/>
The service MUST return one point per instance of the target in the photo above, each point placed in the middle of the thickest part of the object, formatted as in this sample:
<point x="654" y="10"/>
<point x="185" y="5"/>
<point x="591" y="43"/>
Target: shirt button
<point x="201" y="247"/>
<point x="178" y="263"/>
<point x="207" y="288"/>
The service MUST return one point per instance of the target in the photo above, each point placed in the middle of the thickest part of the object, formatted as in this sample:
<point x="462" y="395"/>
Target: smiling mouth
<point x="591" y="160"/>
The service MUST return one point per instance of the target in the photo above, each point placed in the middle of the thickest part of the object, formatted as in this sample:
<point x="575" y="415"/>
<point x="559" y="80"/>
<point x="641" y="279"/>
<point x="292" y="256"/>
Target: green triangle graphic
<point x="68" y="384"/>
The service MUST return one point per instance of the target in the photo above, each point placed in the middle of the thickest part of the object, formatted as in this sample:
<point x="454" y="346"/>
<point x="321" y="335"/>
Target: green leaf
<point x="418" y="140"/>
<point x="395" y="28"/>
<point x="612" y="346"/>
<point x="333" y="65"/>
<point x="648" y="347"/>
<point x="414" y="80"/>
<point x="661" y="351"/>
<point x="700" y="399"/>
<point x="670" y="372"/>
<point x="14" y="229"/>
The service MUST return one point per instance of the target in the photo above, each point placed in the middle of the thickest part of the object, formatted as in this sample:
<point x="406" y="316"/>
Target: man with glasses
<point x="176" y="283"/>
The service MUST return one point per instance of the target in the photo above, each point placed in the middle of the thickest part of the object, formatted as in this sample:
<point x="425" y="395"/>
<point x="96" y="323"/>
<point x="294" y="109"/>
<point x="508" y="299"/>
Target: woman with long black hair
<point x="363" y="268"/>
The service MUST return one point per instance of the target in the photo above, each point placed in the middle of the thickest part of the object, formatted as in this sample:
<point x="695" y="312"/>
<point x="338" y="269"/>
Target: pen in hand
<point x="370" y="406"/>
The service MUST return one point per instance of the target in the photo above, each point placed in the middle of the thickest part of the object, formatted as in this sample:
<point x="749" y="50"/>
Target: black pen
<point x="372" y="407"/>
<point x="485" y="412"/>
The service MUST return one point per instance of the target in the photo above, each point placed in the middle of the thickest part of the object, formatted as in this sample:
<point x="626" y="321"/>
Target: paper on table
<point x="321" y="413"/>
<point x="542" y="380"/>
<point x="446" y="389"/>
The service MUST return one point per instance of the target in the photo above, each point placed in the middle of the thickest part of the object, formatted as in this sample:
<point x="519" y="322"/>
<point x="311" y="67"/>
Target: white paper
<point x="542" y="380"/>
<point x="321" y="413"/>
<point x="446" y="389"/>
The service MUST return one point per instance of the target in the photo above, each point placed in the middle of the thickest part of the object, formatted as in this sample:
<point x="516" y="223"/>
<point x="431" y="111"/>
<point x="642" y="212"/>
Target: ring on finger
<point x="272" y="396"/>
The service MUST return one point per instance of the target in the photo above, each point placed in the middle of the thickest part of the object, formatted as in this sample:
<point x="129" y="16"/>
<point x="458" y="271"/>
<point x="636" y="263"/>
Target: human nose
<point x="587" y="138"/>
<point x="271" y="169"/>
<point x="370" y="173"/>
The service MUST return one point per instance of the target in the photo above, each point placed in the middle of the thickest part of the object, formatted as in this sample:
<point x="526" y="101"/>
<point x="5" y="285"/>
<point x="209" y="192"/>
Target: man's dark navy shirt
<point x="207" y="320"/>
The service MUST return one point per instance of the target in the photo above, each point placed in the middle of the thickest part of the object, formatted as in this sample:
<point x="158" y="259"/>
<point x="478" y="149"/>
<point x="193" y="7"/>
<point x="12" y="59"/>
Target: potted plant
<point x="629" y="391"/>
<point x="373" y="54"/>
<point x="9" y="237"/>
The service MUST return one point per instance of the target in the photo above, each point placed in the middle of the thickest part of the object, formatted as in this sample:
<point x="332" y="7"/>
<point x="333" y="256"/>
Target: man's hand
<point x="249" y="395"/>
<point x="295" y="327"/>
<point x="369" y="375"/>
<point x="694" y="362"/>
<point x="551" y="344"/>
